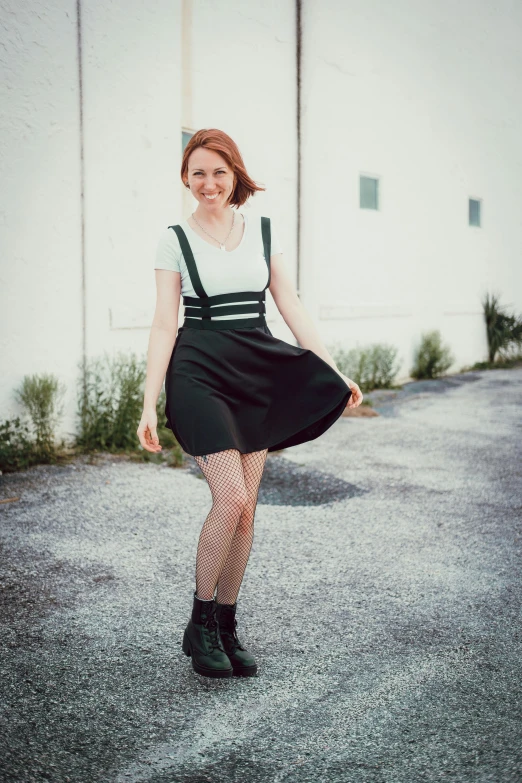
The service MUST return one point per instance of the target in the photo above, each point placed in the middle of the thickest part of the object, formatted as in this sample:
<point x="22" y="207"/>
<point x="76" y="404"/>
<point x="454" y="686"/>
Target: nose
<point x="210" y="183"/>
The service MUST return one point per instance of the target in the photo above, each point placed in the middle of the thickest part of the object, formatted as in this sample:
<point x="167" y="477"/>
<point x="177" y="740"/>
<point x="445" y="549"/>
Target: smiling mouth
<point x="212" y="197"/>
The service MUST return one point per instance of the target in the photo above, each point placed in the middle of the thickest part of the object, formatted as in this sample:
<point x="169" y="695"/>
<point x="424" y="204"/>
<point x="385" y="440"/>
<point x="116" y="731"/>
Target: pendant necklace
<point x="221" y="244"/>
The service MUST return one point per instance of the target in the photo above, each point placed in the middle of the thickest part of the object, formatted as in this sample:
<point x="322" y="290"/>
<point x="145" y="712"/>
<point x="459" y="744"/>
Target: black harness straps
<point x="204" y="307"/>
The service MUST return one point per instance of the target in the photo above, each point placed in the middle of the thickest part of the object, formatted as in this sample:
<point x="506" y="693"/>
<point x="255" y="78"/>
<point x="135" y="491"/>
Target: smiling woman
<point x="234" y="392"/>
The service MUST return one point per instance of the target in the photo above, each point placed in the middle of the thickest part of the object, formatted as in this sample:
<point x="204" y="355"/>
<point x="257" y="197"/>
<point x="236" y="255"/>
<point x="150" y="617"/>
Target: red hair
<point x="220" y="142"/>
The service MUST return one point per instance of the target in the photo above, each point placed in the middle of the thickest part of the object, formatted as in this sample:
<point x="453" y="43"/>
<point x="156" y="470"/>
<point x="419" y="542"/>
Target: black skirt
<point x="245" y="389"/>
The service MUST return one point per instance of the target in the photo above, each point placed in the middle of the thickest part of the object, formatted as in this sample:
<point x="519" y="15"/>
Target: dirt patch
<point x="364" y="411"/>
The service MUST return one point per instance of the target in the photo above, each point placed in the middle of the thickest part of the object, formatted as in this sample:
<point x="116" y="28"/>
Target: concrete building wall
<point x="85" y="198"/>
<point x="239" y="75"/>
<point x="40" y="213"/>
<point x="425" y="97"/>
<point x="132" y="117"/>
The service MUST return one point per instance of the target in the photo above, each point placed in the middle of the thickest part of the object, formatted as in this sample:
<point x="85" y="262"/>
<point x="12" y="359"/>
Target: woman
<point x="234" y="392"/>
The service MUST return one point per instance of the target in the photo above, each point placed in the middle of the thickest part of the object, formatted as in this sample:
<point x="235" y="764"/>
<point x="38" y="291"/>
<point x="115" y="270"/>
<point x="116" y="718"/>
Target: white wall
<point x="424" y="96"/>
<point x="132" y="111"/>
<point x="242" y="57"/>
<point x="131" y="116"/>
<point x="427" y="97"/>
<point x="40" y="220"/>
<point x="147" y="70"/>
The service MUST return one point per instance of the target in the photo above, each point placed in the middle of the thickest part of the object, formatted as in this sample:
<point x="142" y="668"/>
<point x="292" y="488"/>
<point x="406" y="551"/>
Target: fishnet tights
<point x="226" y="538"/>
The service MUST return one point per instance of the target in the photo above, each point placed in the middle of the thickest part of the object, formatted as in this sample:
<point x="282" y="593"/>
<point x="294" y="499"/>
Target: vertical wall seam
<point x="82" y="195"/>
<point x="298" y="124"/>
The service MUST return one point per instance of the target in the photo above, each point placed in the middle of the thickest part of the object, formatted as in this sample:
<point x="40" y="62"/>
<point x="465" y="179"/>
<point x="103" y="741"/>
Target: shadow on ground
<point x="286" y="483"/>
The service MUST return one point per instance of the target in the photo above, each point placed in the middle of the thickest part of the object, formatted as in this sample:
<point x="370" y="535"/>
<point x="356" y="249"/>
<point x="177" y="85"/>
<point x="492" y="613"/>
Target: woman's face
<point x="208" y="174"/>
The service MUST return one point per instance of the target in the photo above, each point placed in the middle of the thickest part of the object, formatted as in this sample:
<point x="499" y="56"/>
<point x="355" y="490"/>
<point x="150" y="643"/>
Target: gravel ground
<point x="381" y="600"/>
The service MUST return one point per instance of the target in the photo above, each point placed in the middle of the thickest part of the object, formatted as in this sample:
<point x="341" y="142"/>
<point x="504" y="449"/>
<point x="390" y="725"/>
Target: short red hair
<point x="220" y="142"/>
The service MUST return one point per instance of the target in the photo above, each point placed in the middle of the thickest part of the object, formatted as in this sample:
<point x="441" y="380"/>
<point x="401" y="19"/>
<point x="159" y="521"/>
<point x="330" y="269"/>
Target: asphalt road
<point x="381" y="600"/>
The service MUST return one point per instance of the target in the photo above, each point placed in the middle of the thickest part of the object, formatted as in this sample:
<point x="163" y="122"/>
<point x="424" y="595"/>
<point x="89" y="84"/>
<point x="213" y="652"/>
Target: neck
<point x="214" y="217"/>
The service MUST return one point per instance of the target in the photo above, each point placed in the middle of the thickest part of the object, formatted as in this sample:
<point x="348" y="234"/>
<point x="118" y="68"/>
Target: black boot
<point x="242" y="661"/>
<point x="203" y="642"/>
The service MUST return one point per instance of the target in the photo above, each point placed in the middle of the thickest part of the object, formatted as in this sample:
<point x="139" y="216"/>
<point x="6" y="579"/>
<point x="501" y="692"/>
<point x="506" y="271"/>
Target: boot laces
<point x="211" y="626"/>
<point x="230" y="634"/>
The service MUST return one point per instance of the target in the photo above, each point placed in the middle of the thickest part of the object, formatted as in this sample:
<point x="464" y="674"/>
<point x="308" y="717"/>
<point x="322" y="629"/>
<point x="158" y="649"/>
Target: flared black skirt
<point x="245" y="389"/>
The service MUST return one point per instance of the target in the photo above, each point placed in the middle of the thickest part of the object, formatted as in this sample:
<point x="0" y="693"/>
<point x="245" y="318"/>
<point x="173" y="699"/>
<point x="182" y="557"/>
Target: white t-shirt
<point x="220" y="271"/>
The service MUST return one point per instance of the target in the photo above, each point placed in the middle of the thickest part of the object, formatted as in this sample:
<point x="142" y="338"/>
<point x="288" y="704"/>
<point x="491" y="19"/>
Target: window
<point x="185" y="138"/>
<point x="368" y="192"/>
<point x="474" y="212"/>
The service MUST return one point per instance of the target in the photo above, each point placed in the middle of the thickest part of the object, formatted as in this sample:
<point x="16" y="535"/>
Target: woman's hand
<point x="147" y="431"/>
<point x="357" y="397"/>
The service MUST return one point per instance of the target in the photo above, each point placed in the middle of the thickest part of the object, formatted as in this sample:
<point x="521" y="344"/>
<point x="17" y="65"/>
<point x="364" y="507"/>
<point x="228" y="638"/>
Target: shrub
<point x="17" y="449"/>
<point x="41" y="396"/>
<point x="500" y="364"/>
<point x="503" y="330"/>
<point x="371" y="367"/>
<point x="431" y="357"/>
<point x="110" y="404"/>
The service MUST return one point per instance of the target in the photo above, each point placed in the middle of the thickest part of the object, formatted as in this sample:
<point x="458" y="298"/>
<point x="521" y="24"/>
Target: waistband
<point x="202" y="310"/>
<point x="227" y="323"/>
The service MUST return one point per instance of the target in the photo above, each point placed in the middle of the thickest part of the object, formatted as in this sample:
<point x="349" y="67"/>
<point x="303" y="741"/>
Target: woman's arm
<point x="299" y="321"/>
<point x="161" y="343"/>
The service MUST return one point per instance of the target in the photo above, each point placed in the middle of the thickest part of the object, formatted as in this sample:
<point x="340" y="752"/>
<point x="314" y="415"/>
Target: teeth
<point x="212" y="197"/>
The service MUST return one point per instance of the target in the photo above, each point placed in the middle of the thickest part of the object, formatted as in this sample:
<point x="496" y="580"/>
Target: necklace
<point x="221" y="244"/>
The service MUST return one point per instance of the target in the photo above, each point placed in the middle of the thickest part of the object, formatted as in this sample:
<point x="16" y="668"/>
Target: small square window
<point x="474" y="212"/>
<point x="368" y="192"/>
<point x="185" y="138"/>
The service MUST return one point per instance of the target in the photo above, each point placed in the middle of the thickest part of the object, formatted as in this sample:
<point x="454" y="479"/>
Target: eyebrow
<point x="198" y="168"/>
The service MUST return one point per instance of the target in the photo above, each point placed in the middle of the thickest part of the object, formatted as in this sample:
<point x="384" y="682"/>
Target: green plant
<point x="503" y="330"/>
<point x="110" y="404"/>
<point x="17" y="450"/>
<point x="371" y="367"/>
<point x="431" y="358"/>
<point x="499" y="364"/>
<point x="41" y="396"/>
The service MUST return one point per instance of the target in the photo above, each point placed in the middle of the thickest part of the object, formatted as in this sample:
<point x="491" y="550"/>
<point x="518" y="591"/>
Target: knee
<point x="247" y="515"/>
<point x="234" y="497"/>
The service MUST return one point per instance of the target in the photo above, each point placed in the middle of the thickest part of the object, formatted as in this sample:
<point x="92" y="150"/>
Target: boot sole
<point x="204" y="670"/>
<point x="245" y="672"/>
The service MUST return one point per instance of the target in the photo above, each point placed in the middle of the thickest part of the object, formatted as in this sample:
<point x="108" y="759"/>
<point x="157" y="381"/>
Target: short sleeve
<point x="168" y="251"/>
<point x="275" y="244"/>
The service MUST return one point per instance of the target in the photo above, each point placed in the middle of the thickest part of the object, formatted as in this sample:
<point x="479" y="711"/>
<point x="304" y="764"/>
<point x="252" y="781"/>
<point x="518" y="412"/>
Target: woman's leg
<point x="224" y="473"/>
<point x="232" y="574"/>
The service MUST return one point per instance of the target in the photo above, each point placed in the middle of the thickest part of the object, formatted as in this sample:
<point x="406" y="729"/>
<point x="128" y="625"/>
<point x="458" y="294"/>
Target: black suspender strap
<point x="208" y="312"/>
<point x="200" y="314"/>
<point x="218" y="299"/>
<point x="190" y="261"/>
<point x="265" y="230"/>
